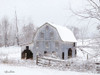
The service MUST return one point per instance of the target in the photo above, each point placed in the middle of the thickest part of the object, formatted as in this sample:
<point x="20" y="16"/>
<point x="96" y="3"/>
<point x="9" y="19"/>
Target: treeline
<point x="12" y="34"/>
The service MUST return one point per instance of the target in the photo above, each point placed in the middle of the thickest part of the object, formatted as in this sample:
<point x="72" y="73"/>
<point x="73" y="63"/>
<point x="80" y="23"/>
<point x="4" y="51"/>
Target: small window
<point x="75" y="52"/>
<point x="53" y="51"/>
<point x="63" y="55"/>
<point x="47" y="27"/>
<point x="47" y="44"/>
<point x="56" y="45"/>
<point x="51" y="34"/>
<point x="42" y="35"/>
<point x="74" y="44"/>
<point x="37" y="44"/>
<point x="45" y="52"/>
<point x="27" y="47"/>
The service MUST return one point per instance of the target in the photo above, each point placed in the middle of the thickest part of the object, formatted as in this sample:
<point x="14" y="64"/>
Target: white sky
<point x="41" y="11"/>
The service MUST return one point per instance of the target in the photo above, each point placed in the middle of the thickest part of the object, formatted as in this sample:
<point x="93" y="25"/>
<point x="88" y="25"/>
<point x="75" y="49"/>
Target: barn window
<point x="56" y="44"/>
<point x="47" y="44"/>
<point x="53" y="52"/>
<point x="75" y="52"/>
<point x="45" y="52"/>
<point x="62" y="55"/>
<point x="69" y="53"/>
<point x="74" y="44"/>
<point x="47" y="27"/>
<point x="42" y="35"/>
<point x="27" y="47"/>
<point x="51" y="34"/>
<point x="37" y="44"/>
<point x="27" y="54"/>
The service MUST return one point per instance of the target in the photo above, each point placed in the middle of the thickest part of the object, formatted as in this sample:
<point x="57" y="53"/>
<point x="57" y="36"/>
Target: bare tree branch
<point x="94" y="3"/>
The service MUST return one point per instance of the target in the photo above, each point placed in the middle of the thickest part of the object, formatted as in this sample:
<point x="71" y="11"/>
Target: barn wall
<point x="47" y="43"/>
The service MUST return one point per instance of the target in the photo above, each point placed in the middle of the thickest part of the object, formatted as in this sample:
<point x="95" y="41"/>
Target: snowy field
<point x="12" y="52"/>
<point x="35" y="70"/>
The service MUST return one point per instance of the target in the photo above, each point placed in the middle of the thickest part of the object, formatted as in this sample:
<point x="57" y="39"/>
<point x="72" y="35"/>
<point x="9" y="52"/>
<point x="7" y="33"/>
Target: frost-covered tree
<point x="75" y="30"/>
<point x="27" y="34"/>
<point x="5" y="26"/>
<point x="17" y="30"/>
<point x="91" y="11"/>
<point x="83" y="34"/>
<point x="1" y="36"/>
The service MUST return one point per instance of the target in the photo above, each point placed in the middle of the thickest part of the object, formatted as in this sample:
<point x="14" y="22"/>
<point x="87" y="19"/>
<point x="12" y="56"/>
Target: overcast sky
<point x="41" y="11"/>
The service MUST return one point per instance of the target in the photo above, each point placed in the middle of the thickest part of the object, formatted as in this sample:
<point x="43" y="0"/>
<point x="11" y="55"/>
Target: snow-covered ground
<point x="12" y="52"/>
<point x="35" y="70"/>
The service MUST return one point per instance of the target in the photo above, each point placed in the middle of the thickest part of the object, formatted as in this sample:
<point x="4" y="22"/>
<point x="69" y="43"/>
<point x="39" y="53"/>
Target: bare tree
<point x="75" y="30"/>
<point x="27" y="35"/>
<point x="91" y="11"/>
<point x="5" y="25"/>
<point x="11" y="35"/>
<point x="83" y="33"/>
<point x="1" y="36"/>
<point x="17" y="37"/>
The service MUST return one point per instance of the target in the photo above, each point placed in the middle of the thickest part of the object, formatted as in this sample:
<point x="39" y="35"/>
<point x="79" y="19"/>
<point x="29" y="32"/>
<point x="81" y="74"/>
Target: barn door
<point x="62" y="55"/>
<point x="69" y="53"/>
<point x="27" y="54"/>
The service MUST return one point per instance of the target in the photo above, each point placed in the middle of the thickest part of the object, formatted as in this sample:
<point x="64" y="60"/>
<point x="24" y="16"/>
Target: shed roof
<point x="65" y="33"/>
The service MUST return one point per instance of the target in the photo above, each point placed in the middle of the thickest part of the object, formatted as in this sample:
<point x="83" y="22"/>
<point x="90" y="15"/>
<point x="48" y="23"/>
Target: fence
<point x="97" y="66"/>
<point x="75" y="65"/>
<point x="48" y="61"/>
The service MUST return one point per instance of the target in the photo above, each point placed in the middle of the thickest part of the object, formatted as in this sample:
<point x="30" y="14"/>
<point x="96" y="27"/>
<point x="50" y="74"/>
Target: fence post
<point x="36" y="59"/>
<point x="87" y="56"/>
<point x="49" y="62"/>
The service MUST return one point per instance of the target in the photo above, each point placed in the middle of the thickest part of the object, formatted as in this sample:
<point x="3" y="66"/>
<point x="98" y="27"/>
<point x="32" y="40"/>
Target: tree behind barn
<point x="5" y="25"/>
<point x="27" y="34"/>
<point x="92" y="12"/>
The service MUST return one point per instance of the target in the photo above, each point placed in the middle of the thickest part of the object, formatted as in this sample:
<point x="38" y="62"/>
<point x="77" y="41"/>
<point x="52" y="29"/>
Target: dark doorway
<point x="27" y="54"/>
<point x="75" y="52"/>
<point x="45" y="52"/>
<point x="74" y="44"/>
<point x="62" y="55"/>
<point x="69" y="53"/>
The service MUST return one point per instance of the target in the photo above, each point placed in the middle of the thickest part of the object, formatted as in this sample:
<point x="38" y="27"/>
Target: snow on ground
<point x="35" y="70"/>
<point x="12" y="52"/>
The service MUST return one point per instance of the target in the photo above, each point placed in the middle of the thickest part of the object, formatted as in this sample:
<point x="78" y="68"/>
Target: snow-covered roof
<point x="65" y="33"/>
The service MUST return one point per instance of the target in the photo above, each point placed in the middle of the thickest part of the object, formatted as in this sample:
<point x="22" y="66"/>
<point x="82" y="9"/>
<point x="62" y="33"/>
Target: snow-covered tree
<point x="27" y="34"/>
<point x="75" y="30"/>
<point x="5" y="26"/>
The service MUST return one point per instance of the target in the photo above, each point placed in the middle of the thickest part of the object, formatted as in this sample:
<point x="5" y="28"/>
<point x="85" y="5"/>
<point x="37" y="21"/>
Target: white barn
<point x="51" y="38"/>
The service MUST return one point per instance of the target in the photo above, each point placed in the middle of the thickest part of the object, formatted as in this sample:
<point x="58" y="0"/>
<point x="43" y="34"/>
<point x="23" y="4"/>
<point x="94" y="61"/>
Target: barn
<point x="51" y="39"/>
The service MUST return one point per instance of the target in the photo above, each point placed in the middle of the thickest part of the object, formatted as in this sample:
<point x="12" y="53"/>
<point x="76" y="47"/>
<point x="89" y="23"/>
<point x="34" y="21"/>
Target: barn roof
<point x="65" y="33"/>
